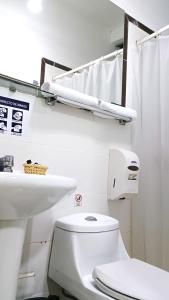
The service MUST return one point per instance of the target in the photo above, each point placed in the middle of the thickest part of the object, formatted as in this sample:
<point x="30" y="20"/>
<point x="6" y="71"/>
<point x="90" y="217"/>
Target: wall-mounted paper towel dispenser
<point x="123" y="174"/>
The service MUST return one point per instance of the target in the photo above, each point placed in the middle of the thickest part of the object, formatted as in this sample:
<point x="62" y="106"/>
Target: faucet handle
<point x="1" y="165"/>
<point x="9" y="160"/>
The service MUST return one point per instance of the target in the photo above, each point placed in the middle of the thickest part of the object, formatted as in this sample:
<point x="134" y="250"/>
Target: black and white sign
<point x="17" y="115"/>
<point x="16" y="128"/>
<point x="3" y="126"/>
<point x="3" y="112"/>
<point x="14" y="116"/>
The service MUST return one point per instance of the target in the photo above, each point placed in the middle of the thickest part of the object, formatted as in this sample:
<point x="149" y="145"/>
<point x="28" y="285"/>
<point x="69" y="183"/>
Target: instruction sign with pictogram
<point x="14" y="116"/>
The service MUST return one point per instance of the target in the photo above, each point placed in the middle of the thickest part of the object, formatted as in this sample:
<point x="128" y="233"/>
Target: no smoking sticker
<point x="78" y="200"/>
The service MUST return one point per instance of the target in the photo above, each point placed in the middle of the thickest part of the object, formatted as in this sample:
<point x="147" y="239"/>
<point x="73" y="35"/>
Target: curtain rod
<point x="153" y="35"/>
<point x="117" y="52"/>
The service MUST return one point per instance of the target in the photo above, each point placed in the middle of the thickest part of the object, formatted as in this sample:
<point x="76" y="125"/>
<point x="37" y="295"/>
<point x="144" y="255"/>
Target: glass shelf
<point x="21" y="86"/>
<point x="16" y="85"/>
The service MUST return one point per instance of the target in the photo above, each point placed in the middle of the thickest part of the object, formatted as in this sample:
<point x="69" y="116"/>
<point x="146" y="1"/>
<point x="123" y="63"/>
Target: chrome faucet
<point x="6" y="163"/>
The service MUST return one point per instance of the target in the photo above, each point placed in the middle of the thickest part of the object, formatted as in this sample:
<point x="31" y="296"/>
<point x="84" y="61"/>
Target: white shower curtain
<point x="150" y="224"/>
<point x="102" y="80"/>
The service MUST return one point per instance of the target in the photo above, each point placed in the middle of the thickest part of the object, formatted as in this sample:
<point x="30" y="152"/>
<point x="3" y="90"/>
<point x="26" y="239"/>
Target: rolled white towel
<point x="102" y="115"/>
<point x="118" y="110"/>
<point x="70" y="94"/>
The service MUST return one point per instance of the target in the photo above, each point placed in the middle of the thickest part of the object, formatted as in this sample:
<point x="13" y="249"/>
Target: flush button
<point x="90" y="218"/>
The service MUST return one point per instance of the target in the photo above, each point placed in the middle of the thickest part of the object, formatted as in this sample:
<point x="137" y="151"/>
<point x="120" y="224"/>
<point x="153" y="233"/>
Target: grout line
<point x="44" y="242"/>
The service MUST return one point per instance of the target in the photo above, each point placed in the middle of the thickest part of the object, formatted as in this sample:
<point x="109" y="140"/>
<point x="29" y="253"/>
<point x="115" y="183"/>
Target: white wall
<point x="72" y="143"/>
<point x="59" y="33"/>
<point x="154" y="14"/>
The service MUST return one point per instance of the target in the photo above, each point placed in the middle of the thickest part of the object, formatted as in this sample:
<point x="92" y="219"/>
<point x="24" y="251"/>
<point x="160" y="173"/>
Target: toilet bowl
<point x="89" y="260"/>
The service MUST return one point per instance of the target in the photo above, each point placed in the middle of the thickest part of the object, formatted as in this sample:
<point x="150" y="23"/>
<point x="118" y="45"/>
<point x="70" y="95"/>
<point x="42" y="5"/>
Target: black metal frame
<point x="127" y="19"/>
<point x="47" y="61"/>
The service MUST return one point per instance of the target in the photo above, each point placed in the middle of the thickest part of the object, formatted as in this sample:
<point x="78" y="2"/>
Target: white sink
<point x="21" y="197"/>
<point x="25" y="195"/>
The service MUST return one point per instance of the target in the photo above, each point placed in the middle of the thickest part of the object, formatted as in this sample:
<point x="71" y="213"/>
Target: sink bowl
<point x="21" y="197"/>
<point x="25" y="195"/>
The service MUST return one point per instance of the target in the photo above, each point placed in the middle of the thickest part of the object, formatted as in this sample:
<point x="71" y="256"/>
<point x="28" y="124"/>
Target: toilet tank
<point x="83" y="241"/>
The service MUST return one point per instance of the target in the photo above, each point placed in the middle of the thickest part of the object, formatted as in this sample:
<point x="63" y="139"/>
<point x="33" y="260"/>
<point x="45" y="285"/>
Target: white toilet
<point x="89" y="260"/>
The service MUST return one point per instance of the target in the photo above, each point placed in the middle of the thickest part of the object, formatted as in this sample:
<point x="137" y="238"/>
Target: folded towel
<point x="103" y="115"/>
<point x="68" y="93"/>
<point x="75" y="103"/>
<point x="118" y="110"/>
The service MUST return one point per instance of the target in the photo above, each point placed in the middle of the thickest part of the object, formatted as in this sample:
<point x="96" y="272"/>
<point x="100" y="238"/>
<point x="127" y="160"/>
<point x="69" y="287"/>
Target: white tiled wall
<point x="72" y="143"/>
<point x="121" y="210"/>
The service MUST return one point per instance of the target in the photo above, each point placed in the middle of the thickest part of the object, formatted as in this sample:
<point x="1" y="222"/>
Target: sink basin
<point x="21" y="197"/>
<point x="24" y="195"/>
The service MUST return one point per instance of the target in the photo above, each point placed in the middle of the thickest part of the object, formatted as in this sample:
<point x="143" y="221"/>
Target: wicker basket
<point x="35" y="169"/>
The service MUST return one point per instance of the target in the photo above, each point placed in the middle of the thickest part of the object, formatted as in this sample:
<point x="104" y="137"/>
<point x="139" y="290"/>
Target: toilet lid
<point x="132" y="279"/>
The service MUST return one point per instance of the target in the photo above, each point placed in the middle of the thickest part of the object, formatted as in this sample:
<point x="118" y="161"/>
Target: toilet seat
<point x="132" y="279"/>
<point x="112" y="293"/>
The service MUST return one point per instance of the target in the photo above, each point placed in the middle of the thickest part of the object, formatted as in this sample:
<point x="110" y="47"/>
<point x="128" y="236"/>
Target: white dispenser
<point x="123" y="174"/>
